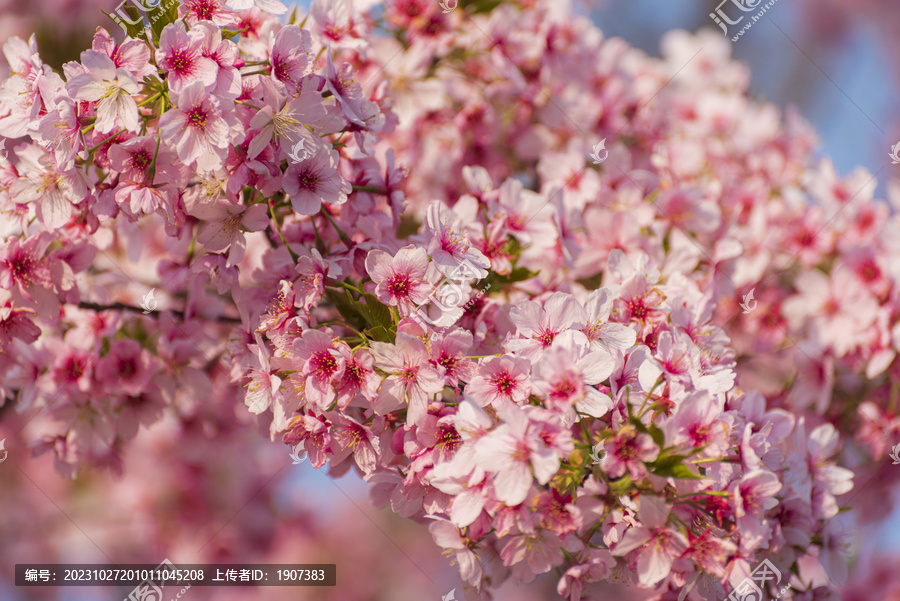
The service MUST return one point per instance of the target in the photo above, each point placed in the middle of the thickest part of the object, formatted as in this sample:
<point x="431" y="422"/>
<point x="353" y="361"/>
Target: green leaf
<point x="520" y="274"/>
<point x="165" y="13"/>
<point x="657" y="435"/>
<point x="671" y="465"/>
<point x="482" y="6"/>
<point x="622" y="486"/>
<point x="374" y="311"/>
<point x="592" y="283"/>
<point x="345" y="306"/>
<point x="380" y="333"/>
<point x="408" y="226"/>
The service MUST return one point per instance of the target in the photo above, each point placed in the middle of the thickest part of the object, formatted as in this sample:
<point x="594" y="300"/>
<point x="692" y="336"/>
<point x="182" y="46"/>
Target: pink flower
<point x="566" y="374"/>
<point x="627" y="451"/>
<point x="399" y="279"/>
<point x="26" y="270"/>
<point x="263" y="382"/>
<point x="696" y="424"/>
<point x="290" y="55"/>
<point x="511" y="452"/>
<point x="539" y="326"/>
<point x="126" y="368"/>
<point x="270" y="6"/>
<point x="839" y="310"/>
<point x="56" y="190"/>
<point x="136" y="192"/>
<point x="314" y="181"/>
<point x="291" y="121"/>
<point x="313" y="270"/>
<point x="450" y="352"/>
<point x="351" y="437"/>
<point x="16" y="323"/>
<point x="112" y="88"/>
<point x="532" y="553"/>
<point x="197" y="129"/>
<point x="322" y="365"/>
<point x="754" y="493"/>
<point x="224" y="53"/>
<point x="602" y="333"/>
<point x="133" y="55"/>
<point x="225" y="226"/>
<point x="310" y="433"/>
<point x="659" y="545"/>
<point x="194" y="11"/>
<point x="597" y="566"/>
<point x="710" y="552"/>
<point x="180" y="56"/>
<point x="411" y="379"/>
<point x="359" y="378"/>
<point x="447" y="536"/>
<point x="501" y="381"/>
<point x="448" y="247"/>
<point x="339" y="22"/>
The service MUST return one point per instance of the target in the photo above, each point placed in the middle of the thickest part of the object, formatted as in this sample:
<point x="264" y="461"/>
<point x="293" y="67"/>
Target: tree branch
<point x="133" y="309"/>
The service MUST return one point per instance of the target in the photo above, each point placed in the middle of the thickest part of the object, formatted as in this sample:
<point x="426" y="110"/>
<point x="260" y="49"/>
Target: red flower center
<point x="399" y="285"/>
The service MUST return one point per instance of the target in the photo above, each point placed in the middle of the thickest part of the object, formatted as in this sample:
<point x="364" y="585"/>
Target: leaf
<point x="592" y="283"/>
<point x="380" y="333"/>
<point x="345" y="306"/>
<point x="622" y="486"/>
<point x="484" y="6"/>
<point x="165" y="13"/>
<point x="520" y="274"/>
<point x="657" y="435"/>
<point x="374" y="311"/>
<point x="671" y="465"/>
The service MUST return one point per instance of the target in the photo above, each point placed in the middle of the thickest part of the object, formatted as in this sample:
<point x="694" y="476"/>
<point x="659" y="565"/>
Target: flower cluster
<point x="215" y="142"/>
<point x="489" y="426"/>
<point x="397" y="250"/>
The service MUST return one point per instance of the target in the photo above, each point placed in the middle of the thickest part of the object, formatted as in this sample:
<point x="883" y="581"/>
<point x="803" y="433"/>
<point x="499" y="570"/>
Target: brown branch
<point x="133" y="309"/>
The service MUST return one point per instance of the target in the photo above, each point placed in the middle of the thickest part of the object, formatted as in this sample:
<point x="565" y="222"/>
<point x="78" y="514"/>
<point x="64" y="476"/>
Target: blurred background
<point x="231" y="496"/>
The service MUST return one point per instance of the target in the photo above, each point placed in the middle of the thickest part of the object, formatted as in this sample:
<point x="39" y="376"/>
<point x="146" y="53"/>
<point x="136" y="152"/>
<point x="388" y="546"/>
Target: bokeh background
<point x="226" y="494"/>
